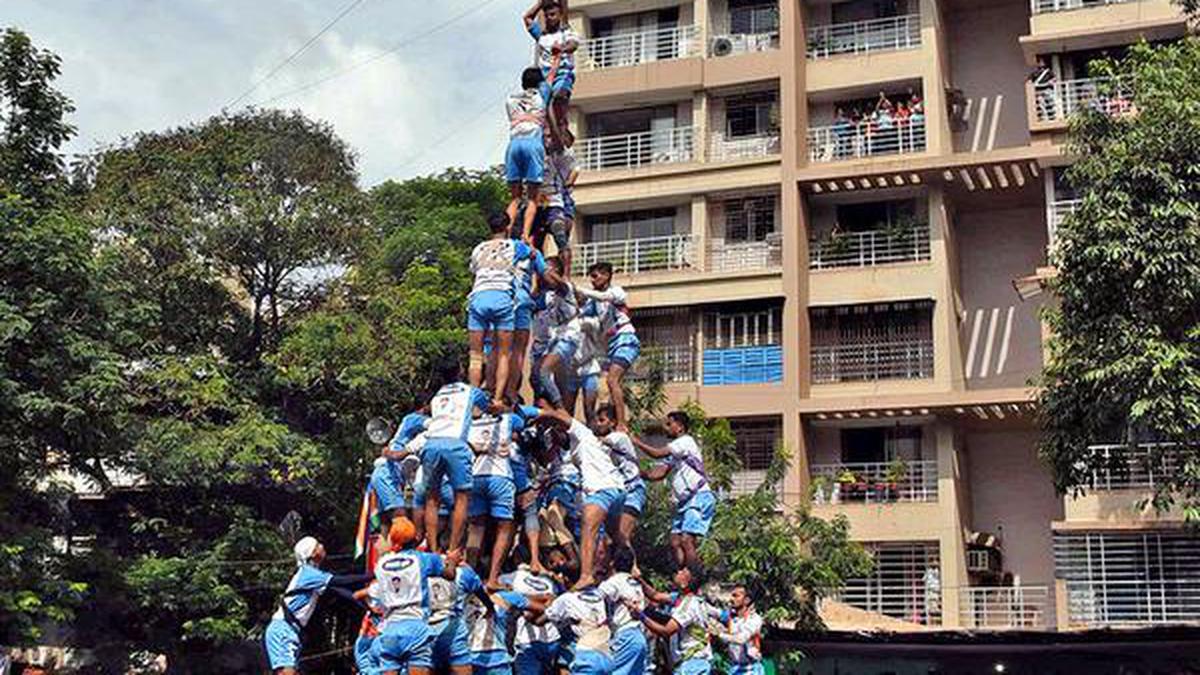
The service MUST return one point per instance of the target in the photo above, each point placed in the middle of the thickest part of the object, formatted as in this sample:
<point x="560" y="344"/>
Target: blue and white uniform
<point x="586" y="612"/>
<point x="494" y="491"/>
<point x="526" y="157"/>
<point x="282" y="636"/>
<point x="446" y="450"/>
<point x="691" y="652"/>
<point x="536" y="646"/>
<point x="630" y="651"/>
<point x="533" y="265"/>
<point x="403" y="592"/>
<point x="563" y="38"/>
<point x="390" y="478"/>
<point x="625" y="457"/>
<point x="492" y="303"/>
<point x="489" y="632"/>
<point x="743" y="640"/>
<point x="611" y="306"/>
<point x="446" y="601"/>
<point x="695" y="503"/>
<point x="603" y="485"/>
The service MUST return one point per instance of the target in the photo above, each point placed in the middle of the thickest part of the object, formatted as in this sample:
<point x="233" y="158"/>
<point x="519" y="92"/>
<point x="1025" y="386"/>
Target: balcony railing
<point x="878" y="482"/>
<point x="865" y="139"/>
<point x="678" y="363"/>
<point x="722" y="148"/>
<point x="861" y="37"/>
<point x="753" y="255"/>
<point x="743" y="43"/>
<point x="870" y="248"/>
<point x="1138" y="467"/>
<point x="1047" y="6"/>
<point x="633" y="256"/>
<point x="1057" y="101"/>
<point x="663" y="146"/>
<point x="1059" y="210"/>
<point x="1004" y="608"/>
<point x="629" y="49"/>
<point x="899" y="360"/>
<point x="746" y="482"/>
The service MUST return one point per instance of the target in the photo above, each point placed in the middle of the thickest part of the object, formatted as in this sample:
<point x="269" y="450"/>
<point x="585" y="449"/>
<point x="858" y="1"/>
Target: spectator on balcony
<point x="524" y="163"/>
<point x="609" y="303"/>
<point x="695" y="503"/>
<point x="556" y="45"/>
<point x="843" y="133"/>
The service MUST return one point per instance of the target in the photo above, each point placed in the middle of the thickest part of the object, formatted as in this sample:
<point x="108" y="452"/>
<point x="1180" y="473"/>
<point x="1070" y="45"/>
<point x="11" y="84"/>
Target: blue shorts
<point x="283" y="644"/>
<point x="565" y="349"/>
<point x="755" y="668"/>
<point x="491" y="662"/>
<point x="536" y="658"/>
<point x="590" y="662"/>
<point x="450" y="647"/>
<point x="564" y="493"/>
<point x="523" y="315"/>
<point x="449" y="457"/>
<point x="623" y="349"/>
<point x="563" y="87"/>
<point x="491" y="310"/>
<point x="364" y="660"/>
<point x="493" y="496"/>
<point x="609" y="500"/>
<point x="629" y="651"/>
<point x="445" y="493"/>
<point x="635" y="499"/>
<point x="520" y="471"/>
<point x="525" y="161"/>
<point x="694" y="667"/>
<point x="495" y="669"/>
<point x="389" y="491"/>
<point x="696" y="516"/>
<point x="403" y="645"/>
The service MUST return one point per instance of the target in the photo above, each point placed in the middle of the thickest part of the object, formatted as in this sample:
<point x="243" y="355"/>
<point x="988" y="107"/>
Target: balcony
<point x="1047" y="6"/>
<point x="723" y="148"/>
<point x="676" y="361"/>
<point x="910" y="359"/>
<point x="1004" y="608"/>
<point x="743" y="43"/>
<point x="624" y="151"/>
<point x="905" y="584"/>
<point x="637" y="256"/>
<point x="1055" y="102"/>
<point x="875" y="483"/>
<point x="1140" y="467"/>
<point x="849" y="141"/>
<point x="631" y="49"/>
<point x="870" y="248"/>
<point x="863" y="37"/>
<point x="743" y="347"/>
<point x="746" y="256"/>
<point x="1059" y="210"/>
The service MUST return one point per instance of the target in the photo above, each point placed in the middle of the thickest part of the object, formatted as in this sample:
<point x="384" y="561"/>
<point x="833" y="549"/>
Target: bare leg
<point x="616" y="375"/>
<point x="489" y="371"/>
<point x="475" y="345"/>
<point x="418" y="519"/>
<point x="504" y="533"/>
<point x="515" y="191"/>
<point x="503" y="347"/>
<point x="589" y="407"/>
<point x="550" y="386"/>
<point x="688" y="543"/>
<point x="433" y="503"/>
<point x="628" y="526"/>
<point x="677" y="550"/>
<point x="475" y="535"/>
<point x="458" y="520"/>
<point x="593" y="515"/>
<point x="530" y="212"/>
<point x="516" y="368"/>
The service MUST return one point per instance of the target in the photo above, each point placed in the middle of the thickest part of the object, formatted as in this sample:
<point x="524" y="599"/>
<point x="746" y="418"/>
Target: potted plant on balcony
<point x="897" y="473"/>
<point x="832" y="245"/>
<point x="852" y="487"/>
<point x="820" y="490"/>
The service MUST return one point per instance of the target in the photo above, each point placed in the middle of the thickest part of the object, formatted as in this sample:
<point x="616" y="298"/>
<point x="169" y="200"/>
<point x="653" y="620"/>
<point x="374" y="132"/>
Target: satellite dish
<point x="722" y="46"/>
<point x="289" y="527"/>
<point x="380" y="431"/>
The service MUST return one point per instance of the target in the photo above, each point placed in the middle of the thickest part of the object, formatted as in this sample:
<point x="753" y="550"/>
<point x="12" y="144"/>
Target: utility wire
<point x="475" y="7"/>
<point x="493" y="103"/>
<point x="291" y="57"/>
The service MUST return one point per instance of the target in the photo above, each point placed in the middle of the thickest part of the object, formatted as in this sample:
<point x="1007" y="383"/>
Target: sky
<point x="409" y="97"/>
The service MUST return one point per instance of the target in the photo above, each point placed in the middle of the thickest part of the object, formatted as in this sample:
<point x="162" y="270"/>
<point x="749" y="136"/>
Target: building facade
<point x="819" y="210"/>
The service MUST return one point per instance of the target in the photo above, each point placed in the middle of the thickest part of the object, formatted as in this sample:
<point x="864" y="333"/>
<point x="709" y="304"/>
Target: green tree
<point x="1125" y="356"/>
<point x="33" y="124"/>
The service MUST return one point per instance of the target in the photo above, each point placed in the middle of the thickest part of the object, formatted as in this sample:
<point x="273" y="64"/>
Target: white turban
<point x="304" y="549"/>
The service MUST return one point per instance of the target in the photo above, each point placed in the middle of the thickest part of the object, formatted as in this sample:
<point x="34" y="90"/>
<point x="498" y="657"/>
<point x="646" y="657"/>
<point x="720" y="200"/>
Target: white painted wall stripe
<point x="974" y="342"/>
<point x="995" y="121"/>
<point x="1008" y="325"/>
<point x="983" y="104"/>
<point x="991" y="340"/>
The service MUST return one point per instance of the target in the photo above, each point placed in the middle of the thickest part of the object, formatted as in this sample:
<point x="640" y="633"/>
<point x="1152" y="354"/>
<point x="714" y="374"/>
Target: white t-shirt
<point x="526" y="114"/>
<point x="560" y="309"/>
<point x="559" y="167"/>
<point x="446" y="598"/>
<point x="595" y="464"/>
<point x="692" y="614"/>
<point x="527" y="583"/>
<point x="546" y="42"/>
<point x="622" y="590"/>
<point x="492" y="439"/>
<point x="611" y="306"/>
<point x="743" y="638"/>
<point x="494" y="264"/>
<point x="686" y="481"/>
<point x="625" y="456"/>
<point x="305" y="586"/>
<point x="403" y="589"/>
<point x="451" y="411"/>
<point x="587" y="614"/>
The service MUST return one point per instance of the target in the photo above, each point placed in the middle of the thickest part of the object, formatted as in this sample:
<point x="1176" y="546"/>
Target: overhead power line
<point x="472" y="9"/>
<point x="292" y="57"/>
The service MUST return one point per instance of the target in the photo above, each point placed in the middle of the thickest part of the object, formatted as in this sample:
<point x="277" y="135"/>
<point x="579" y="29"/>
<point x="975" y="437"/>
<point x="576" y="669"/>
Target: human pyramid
<point x="476" y="465"/>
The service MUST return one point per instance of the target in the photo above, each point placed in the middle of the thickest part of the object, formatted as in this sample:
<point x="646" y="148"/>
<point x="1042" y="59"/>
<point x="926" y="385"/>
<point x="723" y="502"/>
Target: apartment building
<point x="843" y="284"/>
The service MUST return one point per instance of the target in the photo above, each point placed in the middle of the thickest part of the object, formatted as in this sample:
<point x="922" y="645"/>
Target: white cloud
<point x="133" y="65"/>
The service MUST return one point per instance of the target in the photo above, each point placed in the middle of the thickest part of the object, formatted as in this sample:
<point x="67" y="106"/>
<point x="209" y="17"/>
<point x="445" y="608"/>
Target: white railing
<point x="865" y="139"/>
<point x="876" y="482"/>
<point x="629" y="49"/>
<point x="743" y="43"/>
<point x="861" y="37"/>
<point x="754" y="255"/>
<point x="722" y="148"/>
<point x="1059" y="210"/>
<point x="746" y="482"/>
<point x="1140" y="467"/>
<point x="664" y="146"/>
<point x="633" y="256"/>
<point x="913" y="601"/>
<point x="1057" y="101"/>
<point x="678" y="363"/>
<point x="1046" y="6"/>
<point x="870" y="248"/>
<point x="900" y="360"/>
<point x="1002" y="608"/>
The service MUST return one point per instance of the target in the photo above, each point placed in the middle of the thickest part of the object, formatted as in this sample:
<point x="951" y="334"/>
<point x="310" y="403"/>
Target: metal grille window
<point x="632" y="225"/>
<point x="753" y="17"/>
<point x="757" y="440"/>
<point x="668" y="338"/>
<point x="751" y="115"/>
<point x="758" y="328"/>
<point x="905" y="584"/>
<point x="749" y="219"/>
<point x="1129" y="578"/>
<point x="854" y="343"/>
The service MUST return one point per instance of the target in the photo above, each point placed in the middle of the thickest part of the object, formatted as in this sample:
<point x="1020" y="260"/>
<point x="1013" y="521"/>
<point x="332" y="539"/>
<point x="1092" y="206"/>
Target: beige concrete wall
<point x="987" y="64"/>
<point x="1013" y="497"/>
<point x="1001" y="336"/>
<point x="1104" y="18"/>
<point x="1108" y="507"/>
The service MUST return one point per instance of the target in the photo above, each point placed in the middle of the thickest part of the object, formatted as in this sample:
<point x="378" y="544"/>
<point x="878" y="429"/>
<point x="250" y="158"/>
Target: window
<point x="880" y="445"/>
<point x="905" y="583"/>
<point x="753" y="115"/>
<point x="757" y="440"/>
<point x="632" y="225"/>
<point x="753" y="17"/>
<point x="870" y="216"/>
<point x="750" y="328"/>
<point x="749" y="219"/>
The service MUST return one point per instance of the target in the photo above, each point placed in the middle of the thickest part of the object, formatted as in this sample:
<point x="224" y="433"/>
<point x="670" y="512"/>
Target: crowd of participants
<point x="498" y="534"/>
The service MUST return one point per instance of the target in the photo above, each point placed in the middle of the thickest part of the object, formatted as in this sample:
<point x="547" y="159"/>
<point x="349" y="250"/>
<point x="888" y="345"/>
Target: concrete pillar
<point x="700" y="125"/>
<point x="700" y="232"/>
<point x="701" y="11"/>
<point x="948" y="370"/>
<point x="798" y="478"/>
<point x="953" y="504"/>
<point x="935" y="77"/>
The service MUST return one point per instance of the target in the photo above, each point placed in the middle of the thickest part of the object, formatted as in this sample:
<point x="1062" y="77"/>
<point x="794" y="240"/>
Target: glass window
<point x="632" y="225"/>
<point x="753" y="17"/>
<point x="749" y="219"/>
<point x="751" y="115"/>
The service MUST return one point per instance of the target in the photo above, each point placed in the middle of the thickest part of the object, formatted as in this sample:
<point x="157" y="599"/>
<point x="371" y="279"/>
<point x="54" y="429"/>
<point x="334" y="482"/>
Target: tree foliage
<point x="33" y="124"/>
<point x="1125" y="356"/>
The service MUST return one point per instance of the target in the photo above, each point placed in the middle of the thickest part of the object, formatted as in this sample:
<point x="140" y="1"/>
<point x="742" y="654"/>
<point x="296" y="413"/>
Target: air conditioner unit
<point x="723" y="45"/>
